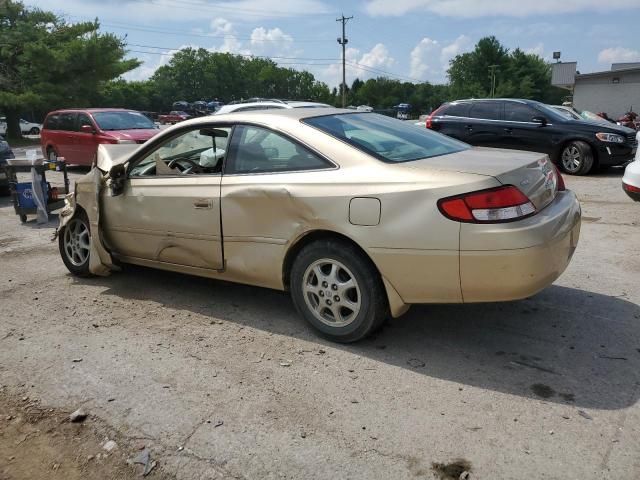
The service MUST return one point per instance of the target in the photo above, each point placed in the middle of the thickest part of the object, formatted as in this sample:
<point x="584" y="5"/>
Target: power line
<point x="239" y="54"/>
<point x="383" y="72"/>
<point x="144" y="28"/>
<point x="253" y="56"/>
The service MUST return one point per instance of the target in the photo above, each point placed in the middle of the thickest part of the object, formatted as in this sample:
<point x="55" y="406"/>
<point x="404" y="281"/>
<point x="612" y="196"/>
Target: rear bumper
<point x="547" y="241"/>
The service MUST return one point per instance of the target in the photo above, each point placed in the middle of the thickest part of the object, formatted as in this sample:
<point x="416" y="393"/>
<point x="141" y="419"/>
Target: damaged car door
<point x="167" y="208"/>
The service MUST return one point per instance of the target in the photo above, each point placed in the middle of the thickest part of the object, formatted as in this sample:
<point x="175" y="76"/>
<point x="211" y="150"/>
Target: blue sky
<point x="406" y="39"/>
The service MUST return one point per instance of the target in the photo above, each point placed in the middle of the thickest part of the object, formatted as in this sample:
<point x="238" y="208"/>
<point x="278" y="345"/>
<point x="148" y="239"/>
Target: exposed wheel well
<point x="316" y="236"/>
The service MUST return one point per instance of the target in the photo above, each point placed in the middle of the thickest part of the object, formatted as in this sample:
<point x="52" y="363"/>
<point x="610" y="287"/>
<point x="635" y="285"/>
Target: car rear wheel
<point x="338" y="291"/>
<point x="34" y="131"/>
<point x="74" y="242"/>
<point x="576" y="158"/>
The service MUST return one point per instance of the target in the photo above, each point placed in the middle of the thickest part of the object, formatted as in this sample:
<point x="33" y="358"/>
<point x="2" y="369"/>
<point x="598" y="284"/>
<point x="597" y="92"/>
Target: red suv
<point x="76" y="134"/>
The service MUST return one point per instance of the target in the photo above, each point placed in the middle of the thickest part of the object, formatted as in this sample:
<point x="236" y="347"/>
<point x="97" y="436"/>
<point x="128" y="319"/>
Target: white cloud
<point x="536" y="50"/>
<point x="422" y="56"/>
<point x="430" y="58"/>
<point x="618" y="54"/>
<point x="359" y="65"/>
<point x="486" y="8"/>
<point x="271" y="42"/>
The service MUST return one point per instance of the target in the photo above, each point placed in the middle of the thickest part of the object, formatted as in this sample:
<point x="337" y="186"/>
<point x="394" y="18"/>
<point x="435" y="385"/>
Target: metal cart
<point x="19" y="197"/>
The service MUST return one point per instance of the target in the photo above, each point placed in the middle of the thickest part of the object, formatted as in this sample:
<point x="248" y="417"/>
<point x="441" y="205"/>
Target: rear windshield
<point x="122" y="121"/>
<point x="385" y="138"/>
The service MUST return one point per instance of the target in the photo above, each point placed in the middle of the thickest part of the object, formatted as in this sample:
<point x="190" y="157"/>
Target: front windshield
<point x="385" y="138"/>
<point x="568" y="113"/>
<point x="122" y="121"/>
<point x="592" y="117"/>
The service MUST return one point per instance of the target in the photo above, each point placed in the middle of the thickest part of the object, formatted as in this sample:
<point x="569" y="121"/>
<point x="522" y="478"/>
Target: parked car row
<point x="5" y="154"/>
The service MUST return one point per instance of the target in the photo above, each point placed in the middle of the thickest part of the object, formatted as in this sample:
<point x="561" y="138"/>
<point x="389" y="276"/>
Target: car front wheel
<point x="338" y="291"/>
<point x="34" y="131"/>
<point x="74" y="243"/>
<point x="576" y="158"/>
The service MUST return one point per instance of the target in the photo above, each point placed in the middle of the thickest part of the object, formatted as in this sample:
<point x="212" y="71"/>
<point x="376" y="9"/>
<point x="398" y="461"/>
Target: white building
<point x="614" y="91"/>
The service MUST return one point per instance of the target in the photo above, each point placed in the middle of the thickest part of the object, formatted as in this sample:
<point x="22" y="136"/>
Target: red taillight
<point x="495" y="205"/>
<point x="429" y="122"/>
<point x="560" y="187"/>
<point x="630" y="188"/>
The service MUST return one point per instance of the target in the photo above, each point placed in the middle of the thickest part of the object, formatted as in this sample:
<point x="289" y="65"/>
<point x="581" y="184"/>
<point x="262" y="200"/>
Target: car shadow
<point x="563" y="345"/>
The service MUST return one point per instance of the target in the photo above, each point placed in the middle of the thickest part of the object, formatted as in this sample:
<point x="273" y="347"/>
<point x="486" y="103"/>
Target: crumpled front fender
<point x="86" y="195"/>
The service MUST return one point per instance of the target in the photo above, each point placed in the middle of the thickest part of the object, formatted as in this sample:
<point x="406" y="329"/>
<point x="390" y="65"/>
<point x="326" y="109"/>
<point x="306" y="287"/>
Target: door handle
<point x="203" y="203"/>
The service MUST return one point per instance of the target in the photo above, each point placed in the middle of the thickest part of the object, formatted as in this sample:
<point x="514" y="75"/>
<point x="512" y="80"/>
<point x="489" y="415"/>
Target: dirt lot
<point x="224" y="381"/>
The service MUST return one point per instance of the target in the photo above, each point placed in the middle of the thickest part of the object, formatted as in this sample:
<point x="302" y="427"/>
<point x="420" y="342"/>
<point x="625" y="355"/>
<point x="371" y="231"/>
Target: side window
<point x="83" y="119"/>
<point x="485" y="110"/>
<point x="259" y="150"/>
<point x="518" y="112"/>
<point x="196" y="152"/>
<point x="67" y="122"/>
<point x="52" y="121"/>
<point x="457" y="110"/>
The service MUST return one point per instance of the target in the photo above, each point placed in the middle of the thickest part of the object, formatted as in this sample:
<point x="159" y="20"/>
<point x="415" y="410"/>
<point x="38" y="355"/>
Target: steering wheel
<point x="194" y="166"/>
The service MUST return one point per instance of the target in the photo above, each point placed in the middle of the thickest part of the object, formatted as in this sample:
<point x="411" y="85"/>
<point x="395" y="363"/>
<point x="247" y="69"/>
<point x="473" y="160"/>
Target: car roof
<point x="268" y="117"/>
<point x="91" y="110"/>
<point x="515" y="100"/>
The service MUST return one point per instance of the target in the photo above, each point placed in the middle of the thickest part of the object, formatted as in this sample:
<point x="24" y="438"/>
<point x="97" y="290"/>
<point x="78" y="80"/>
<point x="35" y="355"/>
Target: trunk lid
<point x="532" y="173"/>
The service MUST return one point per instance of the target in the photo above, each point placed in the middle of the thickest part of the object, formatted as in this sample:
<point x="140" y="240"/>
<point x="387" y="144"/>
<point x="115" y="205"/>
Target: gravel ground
<point x="225" y="381"/>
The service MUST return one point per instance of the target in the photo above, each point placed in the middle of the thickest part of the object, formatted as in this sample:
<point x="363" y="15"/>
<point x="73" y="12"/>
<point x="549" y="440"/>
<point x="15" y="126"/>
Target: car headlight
<point x="126" y="141"/>
<point x="610" y="137"/>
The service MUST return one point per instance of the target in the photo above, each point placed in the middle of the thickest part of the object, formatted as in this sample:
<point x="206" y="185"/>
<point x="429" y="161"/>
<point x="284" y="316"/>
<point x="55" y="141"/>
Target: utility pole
<point x="492" y="74"/>
<point x="343" y="41"/>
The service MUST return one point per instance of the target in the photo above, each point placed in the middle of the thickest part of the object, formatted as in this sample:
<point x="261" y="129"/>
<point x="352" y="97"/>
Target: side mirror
<point x="542" y="121"/>
<point x="87" y="129"/>
<point x="117" y="175"/>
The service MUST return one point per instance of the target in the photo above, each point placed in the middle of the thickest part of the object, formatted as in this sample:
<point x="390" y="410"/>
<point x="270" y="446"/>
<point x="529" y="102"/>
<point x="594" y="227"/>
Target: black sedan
<point x="577" y="146"/>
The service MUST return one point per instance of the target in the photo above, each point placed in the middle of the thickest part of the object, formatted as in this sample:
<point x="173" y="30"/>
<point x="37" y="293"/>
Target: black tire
<point x="52" y="155"/>
<point x="576" y="158"/>
<point x="77" y="263"/>
<point x="23" y="218"/>
<point x="368" y="293"/>
<point x="34" y="131"/>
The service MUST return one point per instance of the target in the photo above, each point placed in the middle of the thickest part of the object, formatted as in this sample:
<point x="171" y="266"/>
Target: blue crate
<point x="25" y="194"/>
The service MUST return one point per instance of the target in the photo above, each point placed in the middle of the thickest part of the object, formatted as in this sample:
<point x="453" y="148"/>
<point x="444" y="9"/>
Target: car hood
<point x="603" y="126"/>
<point x="113" y="154"/>
<point x="138" y="135"/>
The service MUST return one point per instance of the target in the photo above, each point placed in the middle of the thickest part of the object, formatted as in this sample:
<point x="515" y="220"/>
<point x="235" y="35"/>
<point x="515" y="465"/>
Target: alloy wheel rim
<point x="331" y="292"/>
<point x="77" y="242"/>
<point x="571" y="160"/>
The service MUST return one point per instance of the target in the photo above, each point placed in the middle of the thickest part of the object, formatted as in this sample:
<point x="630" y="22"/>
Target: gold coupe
<point x="356" y="214"/>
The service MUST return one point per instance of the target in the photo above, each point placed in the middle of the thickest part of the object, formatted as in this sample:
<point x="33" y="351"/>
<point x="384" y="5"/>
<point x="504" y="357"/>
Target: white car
<point x="27" y="128"/>
<point x="631" y="178"/>
<point x="266" y="104"/>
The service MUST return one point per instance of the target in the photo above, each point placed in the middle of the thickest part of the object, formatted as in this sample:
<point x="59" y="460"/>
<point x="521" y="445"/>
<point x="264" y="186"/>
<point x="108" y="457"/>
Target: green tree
<point x="518" y="74"/>
<point x="198" y="74"/>
<point x="47" y="63"/>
